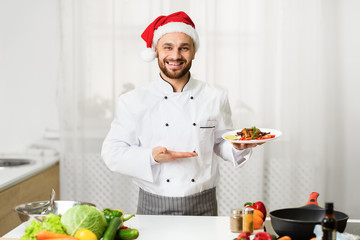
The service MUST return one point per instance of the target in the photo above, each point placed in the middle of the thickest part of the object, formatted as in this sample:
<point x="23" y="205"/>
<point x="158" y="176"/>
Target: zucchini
<point x="127" y="234"/>
<point x="112" y="228"/>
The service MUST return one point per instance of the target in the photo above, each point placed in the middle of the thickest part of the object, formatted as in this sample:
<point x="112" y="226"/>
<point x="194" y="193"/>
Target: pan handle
<point x="313" y="199"/>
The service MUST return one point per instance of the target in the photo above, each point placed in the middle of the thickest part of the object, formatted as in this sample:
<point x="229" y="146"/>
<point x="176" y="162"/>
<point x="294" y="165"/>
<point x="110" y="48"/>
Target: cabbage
<point x="84" y="217"/>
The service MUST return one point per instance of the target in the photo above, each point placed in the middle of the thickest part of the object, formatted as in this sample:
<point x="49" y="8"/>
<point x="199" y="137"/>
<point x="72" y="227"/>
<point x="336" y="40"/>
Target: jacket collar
<point x="166" y="86"/>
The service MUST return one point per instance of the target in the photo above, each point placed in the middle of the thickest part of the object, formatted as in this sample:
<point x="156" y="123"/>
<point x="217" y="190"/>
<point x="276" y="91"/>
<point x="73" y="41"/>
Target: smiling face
<point x="175" y="52"/>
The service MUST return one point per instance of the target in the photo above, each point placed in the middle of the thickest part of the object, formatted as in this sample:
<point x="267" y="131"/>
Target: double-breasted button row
<point x="166" y="124"/>
<point x="192" y="180"/>
<point x="192" y="98"/>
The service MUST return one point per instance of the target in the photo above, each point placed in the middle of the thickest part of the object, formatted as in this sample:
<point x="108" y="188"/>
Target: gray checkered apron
<point x="199" y="204"/>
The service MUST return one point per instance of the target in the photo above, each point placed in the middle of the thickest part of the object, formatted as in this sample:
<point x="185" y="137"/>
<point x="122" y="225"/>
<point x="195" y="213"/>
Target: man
<point x="166" y="134"/>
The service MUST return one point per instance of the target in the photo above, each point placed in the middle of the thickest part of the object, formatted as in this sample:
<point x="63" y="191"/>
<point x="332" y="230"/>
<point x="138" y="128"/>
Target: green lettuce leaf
<point x="51" y="223"/>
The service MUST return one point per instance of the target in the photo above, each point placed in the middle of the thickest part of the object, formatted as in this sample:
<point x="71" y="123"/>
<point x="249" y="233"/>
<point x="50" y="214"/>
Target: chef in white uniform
<point x="166" y="134"/>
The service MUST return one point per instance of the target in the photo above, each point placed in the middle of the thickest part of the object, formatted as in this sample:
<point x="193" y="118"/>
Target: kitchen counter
<point x="10" y="176"/>
<point x="26" y="183"/>
<point x="182" y="227"/>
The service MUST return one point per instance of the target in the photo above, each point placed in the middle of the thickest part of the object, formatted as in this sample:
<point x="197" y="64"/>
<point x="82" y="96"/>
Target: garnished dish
<point x="252" y="135"/>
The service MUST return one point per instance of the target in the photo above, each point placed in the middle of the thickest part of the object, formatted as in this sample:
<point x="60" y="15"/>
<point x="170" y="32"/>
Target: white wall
<point x="349" y="55"/>
<point x="29" y="52"/>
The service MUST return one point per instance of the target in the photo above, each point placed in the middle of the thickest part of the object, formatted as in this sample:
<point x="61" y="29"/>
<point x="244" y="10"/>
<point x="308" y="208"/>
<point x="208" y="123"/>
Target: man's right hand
<point x="162" y="154"/>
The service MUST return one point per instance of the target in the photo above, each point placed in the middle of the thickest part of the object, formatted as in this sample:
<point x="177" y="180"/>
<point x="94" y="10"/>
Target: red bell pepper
<point x="258" y="206"/>
<point x="263" y="236"/>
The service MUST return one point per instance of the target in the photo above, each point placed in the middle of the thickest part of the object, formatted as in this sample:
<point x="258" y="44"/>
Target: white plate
<point x="272" y="132"/>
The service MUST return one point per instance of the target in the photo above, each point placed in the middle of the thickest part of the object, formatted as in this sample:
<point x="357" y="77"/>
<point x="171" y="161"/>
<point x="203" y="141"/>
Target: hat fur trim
<point x="176" y="27"/>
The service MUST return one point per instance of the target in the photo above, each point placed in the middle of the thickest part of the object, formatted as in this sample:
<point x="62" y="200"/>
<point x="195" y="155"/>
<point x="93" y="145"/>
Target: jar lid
<point x="236" y="211"/>
<point x="248" y="210"/>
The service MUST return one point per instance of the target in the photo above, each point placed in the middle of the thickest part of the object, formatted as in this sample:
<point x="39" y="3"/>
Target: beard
<point x="174" y="74"/>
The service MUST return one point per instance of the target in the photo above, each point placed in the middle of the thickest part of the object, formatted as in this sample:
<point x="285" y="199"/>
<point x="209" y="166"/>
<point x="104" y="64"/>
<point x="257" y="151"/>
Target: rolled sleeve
<point x="229" y="153"/>
<point x="223" y="148"/>
<point x="134" y="162"/>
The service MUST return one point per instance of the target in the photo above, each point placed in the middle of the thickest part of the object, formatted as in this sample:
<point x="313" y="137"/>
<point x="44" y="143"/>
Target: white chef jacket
<point x="187" y="121"/>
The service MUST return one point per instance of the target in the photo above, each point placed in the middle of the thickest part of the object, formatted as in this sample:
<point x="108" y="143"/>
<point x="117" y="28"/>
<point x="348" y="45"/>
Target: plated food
<point x="252" y="135"/>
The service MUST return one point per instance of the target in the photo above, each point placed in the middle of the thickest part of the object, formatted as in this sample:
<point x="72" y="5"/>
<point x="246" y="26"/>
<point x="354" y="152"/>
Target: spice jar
<point x="248" y="220"/>
<point x="236" y="220"/>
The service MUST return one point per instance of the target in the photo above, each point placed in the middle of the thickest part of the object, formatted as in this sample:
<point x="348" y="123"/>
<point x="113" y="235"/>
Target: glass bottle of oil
<point x="329" y="223"/>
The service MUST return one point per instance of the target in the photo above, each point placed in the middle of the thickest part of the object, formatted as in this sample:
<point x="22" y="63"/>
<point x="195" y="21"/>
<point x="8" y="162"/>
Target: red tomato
<point x="244" y="236"/>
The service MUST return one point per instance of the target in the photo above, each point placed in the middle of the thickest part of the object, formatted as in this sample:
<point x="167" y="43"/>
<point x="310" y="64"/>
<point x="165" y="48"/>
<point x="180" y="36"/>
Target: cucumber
<point x="112" y="228"/>
<point x="127" y="234"/>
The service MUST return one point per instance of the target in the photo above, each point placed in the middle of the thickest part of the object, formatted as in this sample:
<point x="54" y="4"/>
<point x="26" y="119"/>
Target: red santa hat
<point x="176" y="22"/>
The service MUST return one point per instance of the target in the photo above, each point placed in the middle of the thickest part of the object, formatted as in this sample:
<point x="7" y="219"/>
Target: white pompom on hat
<point x="176" y="22"/>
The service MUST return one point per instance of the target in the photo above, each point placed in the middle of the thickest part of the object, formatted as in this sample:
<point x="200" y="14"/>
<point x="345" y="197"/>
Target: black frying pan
<point x="299" y="223"/>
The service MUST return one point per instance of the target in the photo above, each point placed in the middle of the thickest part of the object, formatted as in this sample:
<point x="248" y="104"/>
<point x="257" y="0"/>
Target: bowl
<point x="32" y="210"/>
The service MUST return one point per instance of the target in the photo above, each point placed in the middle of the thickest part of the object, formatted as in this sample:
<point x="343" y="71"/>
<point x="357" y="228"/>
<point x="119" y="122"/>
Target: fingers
<point x="251" y="145"/>
<point x="162" y="154"/>
<point x="184" y="154"/>
<point x="242" y="146"/>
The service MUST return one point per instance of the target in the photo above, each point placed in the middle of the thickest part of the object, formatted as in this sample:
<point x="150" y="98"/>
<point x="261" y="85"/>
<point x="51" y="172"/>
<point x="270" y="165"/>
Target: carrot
<point x="44" y="234"/>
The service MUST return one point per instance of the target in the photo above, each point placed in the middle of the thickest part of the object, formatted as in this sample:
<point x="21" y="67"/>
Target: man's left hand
<point x="242" y="146"/>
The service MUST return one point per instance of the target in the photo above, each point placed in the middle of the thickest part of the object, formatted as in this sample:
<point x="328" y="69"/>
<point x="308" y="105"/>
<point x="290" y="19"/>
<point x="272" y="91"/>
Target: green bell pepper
<point x="110" y="214"/>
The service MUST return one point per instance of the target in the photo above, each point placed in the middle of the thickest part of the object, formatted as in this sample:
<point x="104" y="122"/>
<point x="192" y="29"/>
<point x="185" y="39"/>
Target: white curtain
<point x="274" y="58"/>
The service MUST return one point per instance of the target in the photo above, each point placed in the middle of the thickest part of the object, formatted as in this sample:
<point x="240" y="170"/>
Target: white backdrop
<point x="274" y="58"/>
